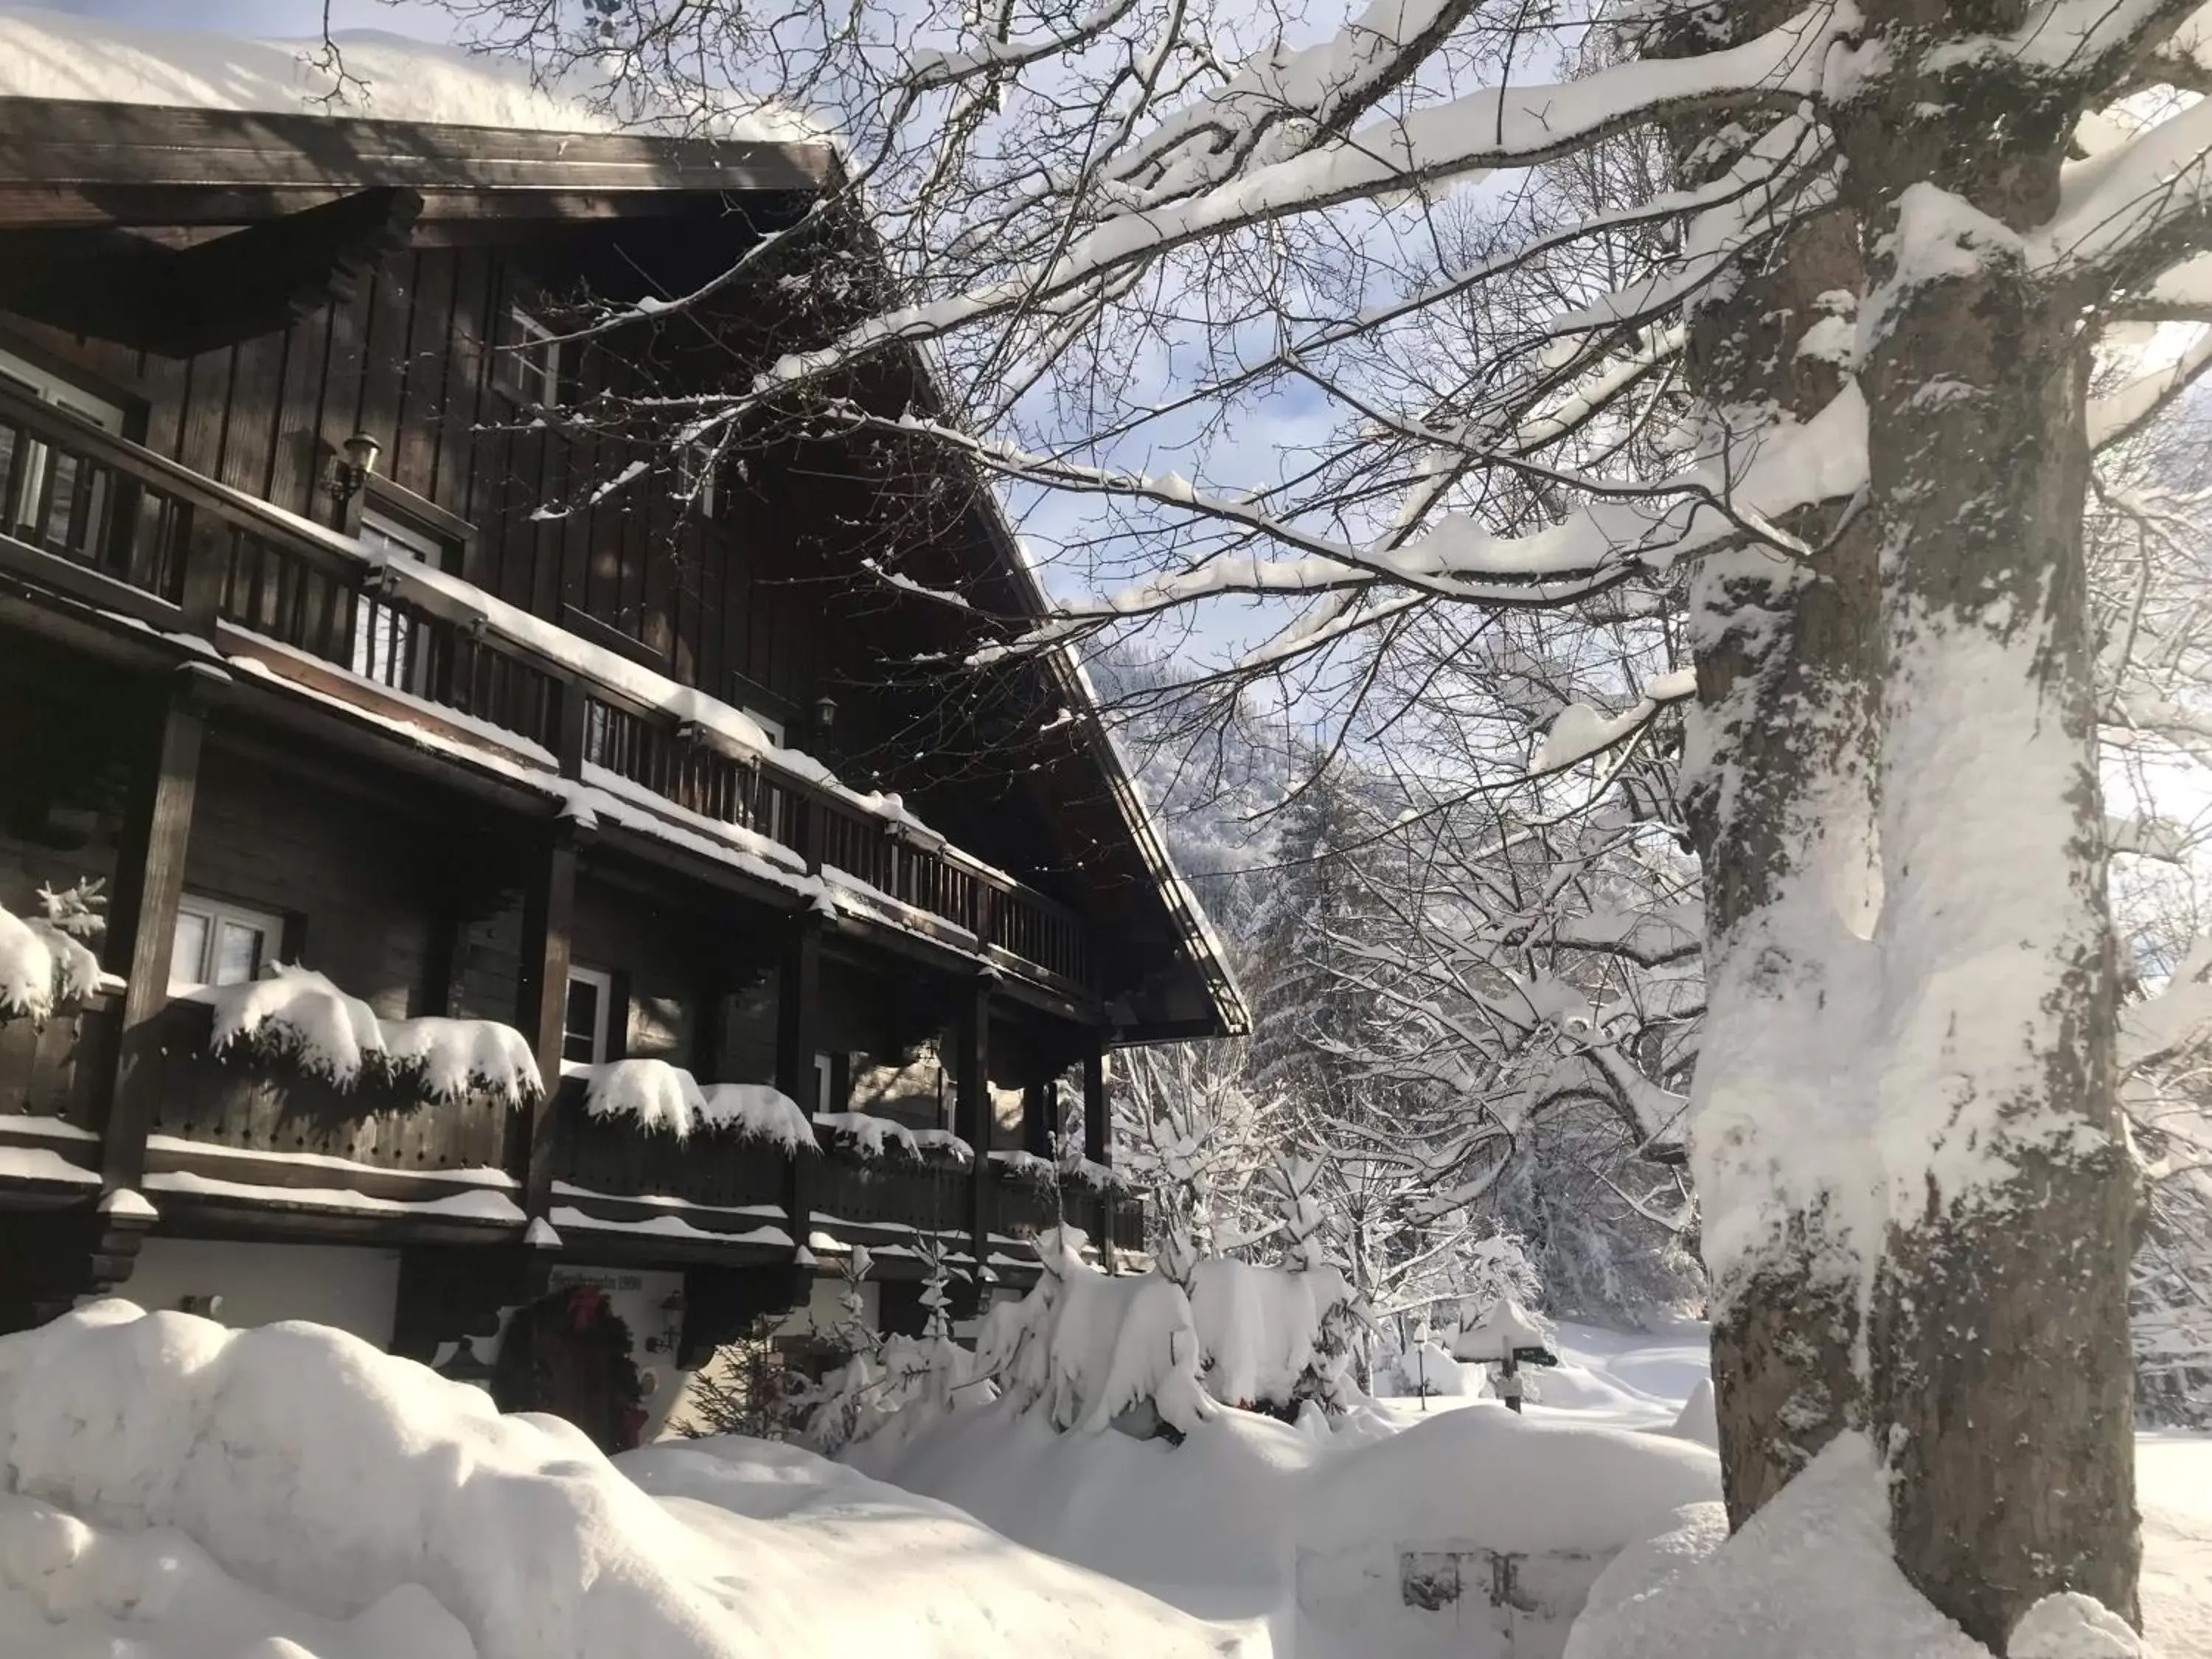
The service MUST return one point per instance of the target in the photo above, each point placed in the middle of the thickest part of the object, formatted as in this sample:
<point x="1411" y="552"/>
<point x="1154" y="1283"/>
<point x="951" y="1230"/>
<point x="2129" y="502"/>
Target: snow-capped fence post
<point x="1509" y="1337"/>
<point x="548" y="906"/>
<point x="142" y="916"/>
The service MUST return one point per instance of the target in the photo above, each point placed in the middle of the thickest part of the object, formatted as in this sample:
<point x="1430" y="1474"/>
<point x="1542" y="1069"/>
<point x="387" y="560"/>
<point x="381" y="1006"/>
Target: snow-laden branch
<point x="1499" y="126"/>
<point x="1791" y="467"/>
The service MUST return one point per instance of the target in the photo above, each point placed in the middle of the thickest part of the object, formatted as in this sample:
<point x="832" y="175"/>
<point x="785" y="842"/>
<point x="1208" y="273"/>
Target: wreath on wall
<point x="568" y="1354"/>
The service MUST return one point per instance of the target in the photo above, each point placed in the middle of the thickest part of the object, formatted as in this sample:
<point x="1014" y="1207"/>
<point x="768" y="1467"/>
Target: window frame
<point x="381" y="633"/>
<point x="603" y="982"/>
<point x="30" y="506"/>
<point x="529" y="378"/>
<point x="270" y="924"/>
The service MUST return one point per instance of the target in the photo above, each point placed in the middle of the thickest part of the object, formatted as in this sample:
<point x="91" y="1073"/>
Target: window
<point x="221" y="944"/>
<point x="584" y="1026"/>
<point x="824" y="1086"/>
<point x="696" y="479"/>
<point x="528" y="363"/>
<point x="45" y="499"/>
<point x="384" y="642"/>
<point x="773" y="727"/>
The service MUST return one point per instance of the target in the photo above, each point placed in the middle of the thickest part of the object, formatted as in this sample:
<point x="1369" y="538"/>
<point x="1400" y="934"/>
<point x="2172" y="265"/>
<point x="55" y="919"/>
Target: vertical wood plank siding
<point x="410" y="361"/>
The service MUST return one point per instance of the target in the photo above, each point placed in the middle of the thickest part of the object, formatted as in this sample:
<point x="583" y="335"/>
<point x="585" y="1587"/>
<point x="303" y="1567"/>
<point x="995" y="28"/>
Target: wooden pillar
<point x="971" y="1121"/>
<point x="142" y="918"/>
<point x="548" y="914"/>
<point x="1040" y="1132"/>
<point x="798" y="1040"/>
<point x="1098" y="1139"/>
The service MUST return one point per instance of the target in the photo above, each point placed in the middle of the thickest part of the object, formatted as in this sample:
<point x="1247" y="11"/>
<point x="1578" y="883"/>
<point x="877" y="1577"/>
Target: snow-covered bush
<point x="44" y="960"/>
<point x="666" y="1098"/>
<point x="1263" y="1331"/>
<point x="1082" y="1348"/>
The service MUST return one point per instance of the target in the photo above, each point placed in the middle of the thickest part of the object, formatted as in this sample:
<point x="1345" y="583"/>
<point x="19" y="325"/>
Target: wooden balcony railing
<point x="130" y="529"/>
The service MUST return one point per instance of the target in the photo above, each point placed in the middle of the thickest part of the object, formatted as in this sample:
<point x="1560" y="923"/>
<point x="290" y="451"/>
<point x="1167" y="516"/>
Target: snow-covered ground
<point x="173" y="1490"/>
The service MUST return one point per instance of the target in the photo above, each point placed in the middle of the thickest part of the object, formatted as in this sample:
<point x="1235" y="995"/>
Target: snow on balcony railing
<point x="211" y="557"/>
<point x="297" y="1016"/>
<point x="659" y="1096"/>
<point x="867" y="1136"/>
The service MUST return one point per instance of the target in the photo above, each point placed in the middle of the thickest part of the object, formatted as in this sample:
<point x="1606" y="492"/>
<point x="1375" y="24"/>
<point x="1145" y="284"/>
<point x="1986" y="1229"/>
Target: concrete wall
<point x="355" y="1290"/>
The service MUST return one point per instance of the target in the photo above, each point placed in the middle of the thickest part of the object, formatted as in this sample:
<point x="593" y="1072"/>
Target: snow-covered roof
<point x="386" y="77"/>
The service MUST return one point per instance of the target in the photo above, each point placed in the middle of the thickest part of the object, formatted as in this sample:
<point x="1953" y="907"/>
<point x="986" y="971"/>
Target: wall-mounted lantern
<point x="825" y="712"/>
<point x="350" y="465"/>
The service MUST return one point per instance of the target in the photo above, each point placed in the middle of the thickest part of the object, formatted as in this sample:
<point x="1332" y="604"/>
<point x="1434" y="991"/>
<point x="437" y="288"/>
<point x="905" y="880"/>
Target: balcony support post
<point x="1097" y="1134"/>
<point x="1040" y="1126"/>
<point x="141" y="917"/>
<point x="548" y="914"/>
<point x="798" y="1039"/>
<point x="972" y="1123"/>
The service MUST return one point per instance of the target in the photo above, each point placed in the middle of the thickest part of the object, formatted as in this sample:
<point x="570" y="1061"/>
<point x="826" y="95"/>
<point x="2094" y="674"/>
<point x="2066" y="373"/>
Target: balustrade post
<point x="985" y="912"/>
<point x="568" y="722"/>
<point x="204" y="548"/>
<point x="549" y="911"/>
<point x="798" y="1039"/>
<point x="142" y="916"/>
<point x="813" y="825"/>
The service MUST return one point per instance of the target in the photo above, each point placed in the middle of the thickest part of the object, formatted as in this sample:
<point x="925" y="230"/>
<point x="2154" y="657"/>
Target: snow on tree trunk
<point x="1778" y="790"/>
<point x="1999" y="1318"/>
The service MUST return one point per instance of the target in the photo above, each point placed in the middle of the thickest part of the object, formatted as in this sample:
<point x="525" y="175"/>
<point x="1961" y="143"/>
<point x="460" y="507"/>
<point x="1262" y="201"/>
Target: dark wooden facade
<point x="449" y="825"/>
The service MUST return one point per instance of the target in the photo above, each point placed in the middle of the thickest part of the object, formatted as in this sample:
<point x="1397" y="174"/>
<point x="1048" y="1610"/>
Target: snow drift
<point x="170" y="1486"/>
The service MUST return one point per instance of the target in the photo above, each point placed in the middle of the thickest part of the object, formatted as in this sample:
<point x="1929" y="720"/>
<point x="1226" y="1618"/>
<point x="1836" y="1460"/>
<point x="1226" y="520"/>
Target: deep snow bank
<point x="1811" y="1576"/>
<point x="205" y="1493"/>
<point x="1249" y="1515"/>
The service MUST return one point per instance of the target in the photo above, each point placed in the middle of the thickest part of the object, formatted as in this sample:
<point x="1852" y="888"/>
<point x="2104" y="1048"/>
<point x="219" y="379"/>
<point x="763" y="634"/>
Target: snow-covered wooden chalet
<point x="539" y="869"/>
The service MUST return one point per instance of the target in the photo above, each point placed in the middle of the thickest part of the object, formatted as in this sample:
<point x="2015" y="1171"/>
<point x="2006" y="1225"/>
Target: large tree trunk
<point x="1777" y="788"/>
<point x="1998" y="1345"/>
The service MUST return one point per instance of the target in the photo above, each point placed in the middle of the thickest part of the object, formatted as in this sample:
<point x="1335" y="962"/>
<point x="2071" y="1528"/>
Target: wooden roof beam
<point x="179" y="301"/>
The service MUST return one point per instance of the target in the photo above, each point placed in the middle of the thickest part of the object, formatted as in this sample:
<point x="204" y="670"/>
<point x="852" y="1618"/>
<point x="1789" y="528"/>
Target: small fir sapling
<point x="847" y="1401"/>
<point x="46" y="961"/>
<point x="744" y="1389"/>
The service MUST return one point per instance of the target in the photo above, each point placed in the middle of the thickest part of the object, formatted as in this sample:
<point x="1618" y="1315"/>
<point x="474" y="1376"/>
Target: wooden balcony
<point x="119" y="527"/>
<point x="250" y="1147"/>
